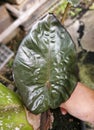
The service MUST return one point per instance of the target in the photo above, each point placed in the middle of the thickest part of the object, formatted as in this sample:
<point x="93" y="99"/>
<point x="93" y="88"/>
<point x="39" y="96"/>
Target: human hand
<point x="80" y="104"/>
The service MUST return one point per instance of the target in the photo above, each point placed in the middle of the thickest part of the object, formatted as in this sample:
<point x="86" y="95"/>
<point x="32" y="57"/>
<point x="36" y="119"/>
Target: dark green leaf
<point x="44" y="67"/>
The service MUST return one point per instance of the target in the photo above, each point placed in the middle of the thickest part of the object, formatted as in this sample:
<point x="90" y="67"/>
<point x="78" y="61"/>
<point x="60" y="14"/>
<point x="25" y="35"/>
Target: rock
<point x="87" y="41"/>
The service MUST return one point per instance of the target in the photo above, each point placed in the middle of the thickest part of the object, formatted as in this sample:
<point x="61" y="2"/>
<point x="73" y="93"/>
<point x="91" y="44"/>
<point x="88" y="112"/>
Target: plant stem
<point x="65" y="12"/>
<point x="5" y="79"/>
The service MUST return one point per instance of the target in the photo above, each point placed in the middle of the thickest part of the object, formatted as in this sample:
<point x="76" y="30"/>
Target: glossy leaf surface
<point x="44" y="67"/>
<point x="12" y="113"/>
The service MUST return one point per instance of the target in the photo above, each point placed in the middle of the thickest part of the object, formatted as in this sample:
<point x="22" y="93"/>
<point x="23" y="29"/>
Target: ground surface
<point x="87" y="40"/>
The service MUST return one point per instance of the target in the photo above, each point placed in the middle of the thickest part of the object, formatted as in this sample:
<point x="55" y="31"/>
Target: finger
<point x="63" y="111"/>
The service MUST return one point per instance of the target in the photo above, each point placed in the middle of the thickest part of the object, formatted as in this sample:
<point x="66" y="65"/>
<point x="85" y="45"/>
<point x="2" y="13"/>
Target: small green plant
<point x="44" y="67"/>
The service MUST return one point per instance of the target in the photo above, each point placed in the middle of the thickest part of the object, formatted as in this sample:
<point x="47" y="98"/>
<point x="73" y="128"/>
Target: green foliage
<point x="12" y="113"/>
<point x="10" y="63"/>
<point x="87" y="74"/>
<point x="73" y="2"/>
<point x="44" y="67"/>
<point x="61" y="8"/>
<point x="86" y="68"/>
<point x="75" y="11"/>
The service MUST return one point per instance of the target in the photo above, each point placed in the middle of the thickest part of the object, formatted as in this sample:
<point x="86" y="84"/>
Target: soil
<point x="66" y="122"/>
